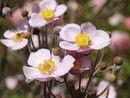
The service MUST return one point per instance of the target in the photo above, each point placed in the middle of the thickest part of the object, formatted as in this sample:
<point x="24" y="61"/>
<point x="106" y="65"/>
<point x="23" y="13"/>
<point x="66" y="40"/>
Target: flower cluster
<point x="66" y="53"/>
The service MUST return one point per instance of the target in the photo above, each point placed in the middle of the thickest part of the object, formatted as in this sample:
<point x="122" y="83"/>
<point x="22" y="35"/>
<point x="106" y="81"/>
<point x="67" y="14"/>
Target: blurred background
<point x="112" y="16"/>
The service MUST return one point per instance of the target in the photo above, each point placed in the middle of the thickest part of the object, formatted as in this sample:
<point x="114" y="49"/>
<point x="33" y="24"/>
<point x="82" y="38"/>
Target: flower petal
<point x="85" y="64"/>
<point x="56" y="59"/>
<point x="69" y="32"/>
<point x="68" y="46"/>
<point x="60" y="9"/>
<point x="7" y="42"/>
<point x="88" y="28"/>
<point x="19" y="45"/>
<point x="10" y="33"/>
<point x="32" y="73"/>
<point x="64" y="67"/>
<point x="49" y="4"/>
<point x="36" y="57"/>
<point x="85" y="50"/>
<point x="36" y="21"/>
<point x="99" y="40"/>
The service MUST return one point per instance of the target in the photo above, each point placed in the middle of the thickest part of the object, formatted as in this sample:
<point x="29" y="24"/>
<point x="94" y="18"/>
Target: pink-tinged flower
<point x="11" y="82"/>
<point x="15" y="39"/>
<point x="115" y="19"/>
<point x="49" y="12"/>
<point x="16" y="18"/>
<point x="97" y="4"/>
<point x="81" y="63"/>
<point x="127" y="23"/>
<point x="73" y="5"/>
<point x="101" y="87"/>
<point x="46" y="66"/>
<point x="83" y="39"/>
<point x="120" y="41"/>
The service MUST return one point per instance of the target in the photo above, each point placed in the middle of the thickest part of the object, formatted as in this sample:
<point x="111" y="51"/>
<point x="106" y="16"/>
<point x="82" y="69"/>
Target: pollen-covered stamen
<point x="47" y="14"/>
<point x="18" y="37"/>
<point x="46" y="66"/>
<point x="82" y="39"/>
<point x="76" y="64"/>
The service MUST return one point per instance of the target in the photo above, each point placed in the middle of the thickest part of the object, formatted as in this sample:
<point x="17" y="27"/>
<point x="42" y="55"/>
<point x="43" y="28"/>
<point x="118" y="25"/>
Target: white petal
<point x="69" y="32"/>
<point x="88" y="28"/>
<point x="7" y="42"/>
<point x="32" y="73"/>
<point x="60" y="9"/>
<point x="10" y="33"/>
<point x="50" y="4"/>
<point x="68" y="46"/>
<point x="37" y="21"/>
<point x="99" y="40"/>
<point x="65" y="66"/>
<point x="56" y="59"/>
<point x="19" y="45"/>
<point x="36" y="57"/>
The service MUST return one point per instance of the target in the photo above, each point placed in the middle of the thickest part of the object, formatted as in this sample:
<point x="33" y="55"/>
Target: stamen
<point x="18" y="37"/>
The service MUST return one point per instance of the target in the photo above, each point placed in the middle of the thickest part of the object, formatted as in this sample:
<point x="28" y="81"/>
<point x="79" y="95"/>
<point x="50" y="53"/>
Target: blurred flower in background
<point x="127" y="23"/>
<point x="11" y="82"/>
<point x="120" y="41"/>
<point x="115" y="19"/>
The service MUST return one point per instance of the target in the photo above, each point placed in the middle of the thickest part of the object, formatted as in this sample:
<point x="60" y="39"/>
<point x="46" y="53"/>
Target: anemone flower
<point x="15" y="39"/>
<point x="46" y="66"/>
<point x="83" y="39"/>
<point x="49" y="11"/>
<point x="101" y="87"/>
<point x="81" y="63"/>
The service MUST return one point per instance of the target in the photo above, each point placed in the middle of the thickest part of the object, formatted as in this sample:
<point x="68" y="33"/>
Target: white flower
<point x="15" y="39"/>
<point x="84" y="38"/>
<point x="101" y="86"/>
<point x="11" y="82"/>
<point x="45" y="66"/>
<point x="49" y="12"/>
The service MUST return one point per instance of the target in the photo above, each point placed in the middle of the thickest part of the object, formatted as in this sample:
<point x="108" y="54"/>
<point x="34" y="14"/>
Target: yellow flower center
<point x="82" y="39"/>
<point x="46" y="66"/>
<point x="76" y="64"/>
<point x="18" y="37"/>
<point x="47" y="14"/>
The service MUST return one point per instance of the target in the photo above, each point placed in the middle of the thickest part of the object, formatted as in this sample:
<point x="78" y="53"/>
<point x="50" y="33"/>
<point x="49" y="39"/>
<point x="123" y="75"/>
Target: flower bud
<point x="118" y="60"/>
<point x="57" y="51"/>
<point x="6" y="11"/>
<point x="24" y="13"/>
<point x="27" y="34"/>
<point x="102" y="65"/>
<point x="111" y="77"/>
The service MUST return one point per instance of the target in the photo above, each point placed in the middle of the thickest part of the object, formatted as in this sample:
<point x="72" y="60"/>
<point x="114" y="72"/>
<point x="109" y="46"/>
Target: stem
<point x="91" y="75"/>
<point x="49" y="88"/>
<point x="80" y="77"/>
<point x="102" y="91"/>
<point x="44" y="90"/>
<point x="46" y="37"/>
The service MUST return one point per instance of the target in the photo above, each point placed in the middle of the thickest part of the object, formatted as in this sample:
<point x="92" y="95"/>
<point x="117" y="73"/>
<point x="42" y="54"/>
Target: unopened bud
<point x="102" y="65"/>
<point x="6" y="11"/>
<point x="111" y="77"/>
<point x="27" y="34"/>
<point x="24" y="13"/>
<point x="118" y="60"/>
<point x="57" y="51"/>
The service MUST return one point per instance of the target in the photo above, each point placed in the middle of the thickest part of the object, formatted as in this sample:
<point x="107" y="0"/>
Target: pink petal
<point x="99" y="40"/>
<point x="60" y="9"/>
<point x="49" y="4"/>
<point x="69" y="32"/>
<point x="68" y="46"/>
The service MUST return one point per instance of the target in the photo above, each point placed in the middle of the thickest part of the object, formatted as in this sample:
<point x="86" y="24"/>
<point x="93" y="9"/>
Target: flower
<point x="15" y="39"/>
<point x="115" y="19"/>
<point x="83" y="39"/>
<point x="81" y="63"/>
<point x="46" y="66"/>
<point x="127" y="23"/>
<point x="101" y="87"/>
<point x="49" y="12"/>
<point x="11" y="82"/>
<point x="120" y="41"/>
